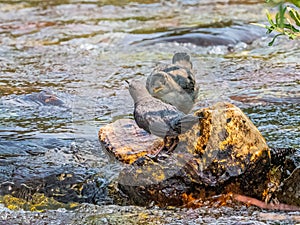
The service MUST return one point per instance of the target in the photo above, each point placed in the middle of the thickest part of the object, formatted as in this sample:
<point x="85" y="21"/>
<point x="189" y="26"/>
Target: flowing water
<point x="84" y="50"/>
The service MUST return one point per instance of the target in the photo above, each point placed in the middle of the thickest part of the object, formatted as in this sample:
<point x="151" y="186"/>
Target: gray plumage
<point x="157" y="117"/>
<point x="174" y="83"/>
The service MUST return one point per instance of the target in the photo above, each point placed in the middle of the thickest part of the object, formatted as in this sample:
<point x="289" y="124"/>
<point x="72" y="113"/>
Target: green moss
<point x="39" y="202"/>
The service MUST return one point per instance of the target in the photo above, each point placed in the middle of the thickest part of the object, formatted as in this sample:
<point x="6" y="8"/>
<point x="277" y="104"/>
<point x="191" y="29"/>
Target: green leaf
<point x="291" y="27"/>
<point x="273" y="40"/>
<point x="269" y="17"/>
<point x="295" y="15"/>
<point x="283" y="25"/>
<point x="280" y="16"/>
<point x="260" y="25"/>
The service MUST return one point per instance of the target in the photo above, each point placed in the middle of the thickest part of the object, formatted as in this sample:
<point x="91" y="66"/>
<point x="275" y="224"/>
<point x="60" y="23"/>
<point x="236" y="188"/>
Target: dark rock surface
<point x="289" y="191"/>
<point x="63" y="174"/>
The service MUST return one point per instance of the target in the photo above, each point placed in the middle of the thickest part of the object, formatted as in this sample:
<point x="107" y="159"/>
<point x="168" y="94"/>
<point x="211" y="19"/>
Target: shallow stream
<point x="84" y="50"/>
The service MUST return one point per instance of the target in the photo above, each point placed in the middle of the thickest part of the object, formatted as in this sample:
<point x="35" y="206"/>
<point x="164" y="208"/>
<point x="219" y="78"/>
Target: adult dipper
<point x="174" y="83"/>
<point x="159" y="118"/>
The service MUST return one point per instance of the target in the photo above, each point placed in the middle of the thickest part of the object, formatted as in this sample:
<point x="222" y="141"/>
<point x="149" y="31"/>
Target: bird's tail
<point x="186" y="123"/>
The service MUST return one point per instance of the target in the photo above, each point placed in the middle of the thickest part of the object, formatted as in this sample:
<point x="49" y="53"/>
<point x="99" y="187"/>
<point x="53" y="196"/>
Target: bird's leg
<point x="173" y="141"/>
<point x="169" y="145"/>
<point x="165" y="146"/>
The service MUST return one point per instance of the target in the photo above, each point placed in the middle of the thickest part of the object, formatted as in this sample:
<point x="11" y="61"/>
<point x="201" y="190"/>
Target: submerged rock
<point x="223" y="153"/>
<point x="44" y="98"/>
<point x="65" y="183"/>
<point x="61" y="174"/>
<point x="230" y="35"/>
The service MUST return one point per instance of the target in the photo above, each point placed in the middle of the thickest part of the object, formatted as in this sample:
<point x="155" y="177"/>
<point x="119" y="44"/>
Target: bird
<point x="159" y="118"/>
<point x="174" y="83"/>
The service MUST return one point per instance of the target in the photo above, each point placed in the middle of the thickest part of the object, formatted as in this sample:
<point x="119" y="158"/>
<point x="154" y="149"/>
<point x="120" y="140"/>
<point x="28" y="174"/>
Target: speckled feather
<point x="174" y="83"/>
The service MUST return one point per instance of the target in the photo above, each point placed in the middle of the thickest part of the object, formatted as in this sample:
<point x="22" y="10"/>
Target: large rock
<point x="224" y="152"/>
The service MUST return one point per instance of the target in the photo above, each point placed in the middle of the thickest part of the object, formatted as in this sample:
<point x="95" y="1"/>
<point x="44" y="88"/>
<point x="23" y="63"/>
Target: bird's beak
<point x="127" y="81"/>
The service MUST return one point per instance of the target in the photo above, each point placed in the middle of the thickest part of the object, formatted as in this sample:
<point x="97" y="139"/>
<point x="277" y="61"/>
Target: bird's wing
<point x="184" y="78"/>
<point x="159" y="128"/>
<point x="149" y="115"/>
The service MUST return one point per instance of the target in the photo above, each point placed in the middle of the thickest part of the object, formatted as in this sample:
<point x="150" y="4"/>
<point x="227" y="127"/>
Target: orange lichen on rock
<point x="227" y="138"/>
<point x="189" y="201"/>
<point x="225" y="126"/>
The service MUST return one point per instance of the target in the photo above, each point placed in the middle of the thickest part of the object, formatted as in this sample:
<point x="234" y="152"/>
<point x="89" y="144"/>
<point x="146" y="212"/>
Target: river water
<point x="84" y="50"/>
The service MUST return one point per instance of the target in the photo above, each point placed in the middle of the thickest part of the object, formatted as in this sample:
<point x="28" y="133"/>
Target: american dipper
<point x="174" y="83"/>
<point x="157" y="117"/>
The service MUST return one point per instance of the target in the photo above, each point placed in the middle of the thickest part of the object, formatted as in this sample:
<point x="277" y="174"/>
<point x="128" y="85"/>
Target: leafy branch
<point x="286" y="21"/>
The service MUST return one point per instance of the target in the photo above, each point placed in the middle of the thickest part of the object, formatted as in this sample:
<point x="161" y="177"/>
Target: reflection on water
<point x="82" y="51"/>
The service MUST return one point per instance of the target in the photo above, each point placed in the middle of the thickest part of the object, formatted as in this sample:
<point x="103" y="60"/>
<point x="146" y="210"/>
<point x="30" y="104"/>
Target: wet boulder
<point x="63" y="183"/>
<point x="223" y="153"/>
<point x="55" y="176"/>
